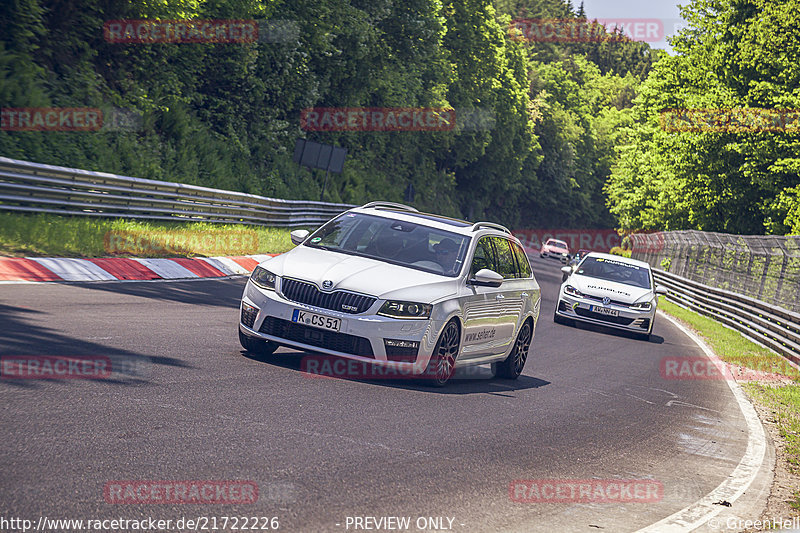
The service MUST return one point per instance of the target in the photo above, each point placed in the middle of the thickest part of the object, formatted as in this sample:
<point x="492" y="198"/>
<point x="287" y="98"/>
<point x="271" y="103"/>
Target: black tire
<point x="256" y="346"/>
<point x="512" y="367"/>
<point x="442" y="363"/>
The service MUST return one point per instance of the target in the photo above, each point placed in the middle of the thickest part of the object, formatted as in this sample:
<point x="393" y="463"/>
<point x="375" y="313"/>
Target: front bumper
<point x="361" y="337"/>
<point x="628" y="319"/>
<point x="552" y="253"/>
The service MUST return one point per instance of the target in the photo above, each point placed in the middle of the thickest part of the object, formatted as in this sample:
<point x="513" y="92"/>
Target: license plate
<point x="315" y="320"/>
<point x="604" y="310"/>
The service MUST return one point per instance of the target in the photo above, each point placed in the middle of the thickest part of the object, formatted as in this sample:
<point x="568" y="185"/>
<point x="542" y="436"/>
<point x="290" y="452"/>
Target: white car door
<point x="485" y="309"/>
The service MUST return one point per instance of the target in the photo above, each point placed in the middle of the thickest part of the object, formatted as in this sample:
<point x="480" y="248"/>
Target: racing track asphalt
<point x="190" y="405"/>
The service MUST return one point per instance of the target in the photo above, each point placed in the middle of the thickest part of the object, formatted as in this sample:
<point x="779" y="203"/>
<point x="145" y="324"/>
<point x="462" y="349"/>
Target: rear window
<point x="524" y="267"/>
<point x="506" y="264"/>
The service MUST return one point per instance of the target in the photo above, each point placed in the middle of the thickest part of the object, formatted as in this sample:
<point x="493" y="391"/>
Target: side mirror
<point x="565" y="273"/>
<point x="486" y="278"/>
<point x="661" y="290"/>
<point x="298" y="236"/>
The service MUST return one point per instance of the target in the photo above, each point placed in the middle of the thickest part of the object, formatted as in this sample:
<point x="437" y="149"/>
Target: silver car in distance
<point x="609" y="290"/>
<point x="387" y="285"/>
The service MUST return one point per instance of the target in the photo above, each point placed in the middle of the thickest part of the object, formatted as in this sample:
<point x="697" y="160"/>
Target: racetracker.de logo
<point x="585" y="491"/>
<point x="377" y="119"/>
<point x="734" y="120"/>
<point x="644" y="241"/>
<point x="692" y="368"/>
<point x="321" y="366"/>
<point x="175" y="492"/>
<point x="151" y="31"/>
<point x="577" y="31"/>
<point x="596" y="240"/>
<point x="697" y="368"/>
<point x="51" y="119"/>
<point x="178" y="242"/>
<point x="55" y="367"/>
<point x="332" y="367"/>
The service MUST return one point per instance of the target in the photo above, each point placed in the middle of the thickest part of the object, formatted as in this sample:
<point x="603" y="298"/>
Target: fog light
<point x="401" y="351"/>
<point x="249" y="314"/>
<point x="401" y="344"/>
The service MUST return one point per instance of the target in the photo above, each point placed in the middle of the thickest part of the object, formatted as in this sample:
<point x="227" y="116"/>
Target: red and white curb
<point x="19" y="269"/>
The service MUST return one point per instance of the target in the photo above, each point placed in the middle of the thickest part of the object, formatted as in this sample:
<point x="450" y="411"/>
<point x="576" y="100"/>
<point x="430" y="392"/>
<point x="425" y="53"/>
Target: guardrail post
<point x="764" y="272"/>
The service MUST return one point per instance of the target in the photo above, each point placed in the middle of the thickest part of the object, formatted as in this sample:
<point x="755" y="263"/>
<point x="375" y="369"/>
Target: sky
<point x="651" y="16"/>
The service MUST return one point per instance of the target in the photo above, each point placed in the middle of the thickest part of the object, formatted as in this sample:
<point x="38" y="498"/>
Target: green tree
<point x="733" y="55"/>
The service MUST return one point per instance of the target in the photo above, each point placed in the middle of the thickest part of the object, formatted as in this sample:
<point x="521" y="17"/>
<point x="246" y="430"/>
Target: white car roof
<point x="461" y="227"/>
<point x="621" y="259"/>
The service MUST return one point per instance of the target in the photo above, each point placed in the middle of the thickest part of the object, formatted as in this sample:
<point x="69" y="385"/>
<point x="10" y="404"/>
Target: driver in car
<point x="446" y="254"/>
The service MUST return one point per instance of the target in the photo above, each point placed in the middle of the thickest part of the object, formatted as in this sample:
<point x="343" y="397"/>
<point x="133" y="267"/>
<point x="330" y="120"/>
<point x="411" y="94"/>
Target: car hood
<point x="361" y="274"/>
<point x="616" y="291"/>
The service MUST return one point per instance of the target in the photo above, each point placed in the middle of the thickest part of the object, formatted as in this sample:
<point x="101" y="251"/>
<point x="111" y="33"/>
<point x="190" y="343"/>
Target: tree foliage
<point x="227" y="116"/>
<point x="735" y="54"/>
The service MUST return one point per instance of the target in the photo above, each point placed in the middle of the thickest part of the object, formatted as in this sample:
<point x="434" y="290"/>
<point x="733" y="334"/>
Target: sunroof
<point x="435" y="218"/>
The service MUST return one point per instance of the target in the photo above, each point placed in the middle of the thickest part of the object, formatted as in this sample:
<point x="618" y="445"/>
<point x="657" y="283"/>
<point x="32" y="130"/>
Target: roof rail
<point x="389" y="205"/>
<point x="492" y="225"/>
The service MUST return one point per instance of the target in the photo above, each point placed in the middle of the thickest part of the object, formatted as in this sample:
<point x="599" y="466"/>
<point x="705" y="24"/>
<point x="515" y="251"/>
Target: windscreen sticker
<point x="618" y="263"/>
<point x="484" y="334"/>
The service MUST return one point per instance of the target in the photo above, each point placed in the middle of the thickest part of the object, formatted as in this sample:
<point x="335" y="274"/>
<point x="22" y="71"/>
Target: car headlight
<point x="395" y="309"/>
<point x="642" y="306"/>
<point x="263" y="278"/>
<point x="572" y="291"/>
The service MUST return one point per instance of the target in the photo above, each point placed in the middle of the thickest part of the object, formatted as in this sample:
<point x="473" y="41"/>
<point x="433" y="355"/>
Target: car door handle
<point x="500" y="297"/>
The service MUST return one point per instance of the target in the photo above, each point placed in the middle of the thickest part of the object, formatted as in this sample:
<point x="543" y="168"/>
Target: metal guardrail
<point x="764" y="267"/>
<point x="772" y="326"/>
<point x="33" y="187"/>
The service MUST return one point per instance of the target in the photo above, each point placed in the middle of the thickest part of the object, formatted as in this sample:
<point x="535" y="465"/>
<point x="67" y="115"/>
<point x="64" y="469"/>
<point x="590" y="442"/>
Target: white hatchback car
<point x="388" y="285"/>
<point x="609" y="290"/>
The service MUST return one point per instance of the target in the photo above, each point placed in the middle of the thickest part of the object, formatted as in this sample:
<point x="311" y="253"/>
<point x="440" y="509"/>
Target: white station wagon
<point x="388" y="285"/>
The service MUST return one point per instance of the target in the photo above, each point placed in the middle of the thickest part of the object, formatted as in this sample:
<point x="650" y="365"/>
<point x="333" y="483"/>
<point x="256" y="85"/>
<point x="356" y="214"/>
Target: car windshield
<point x="557" y="244"/>
<point x="393" y="241"/>
<point x="617" y="271"/>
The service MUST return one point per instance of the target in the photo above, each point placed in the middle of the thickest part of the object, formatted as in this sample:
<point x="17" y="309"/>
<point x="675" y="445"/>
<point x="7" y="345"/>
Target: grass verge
<point x="41" y="234"/>
<point x="779" y="398"/>
<point x="731" y="346"/>
<point x="784" y="403"/>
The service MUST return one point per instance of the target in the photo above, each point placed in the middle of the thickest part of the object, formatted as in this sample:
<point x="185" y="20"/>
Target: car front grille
<point x="309" y="294"/>
<point x="600" y="299"/>
<point x="621" y="320"/>
<point x="331" y="340"/>
<point x="249" y="316"/>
